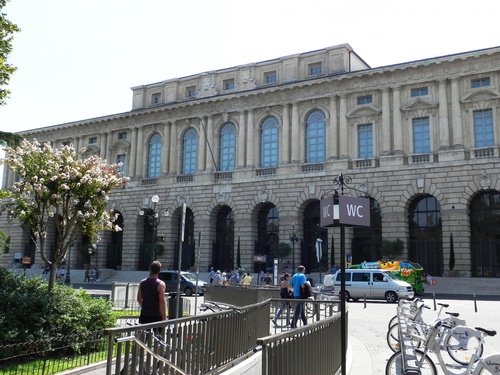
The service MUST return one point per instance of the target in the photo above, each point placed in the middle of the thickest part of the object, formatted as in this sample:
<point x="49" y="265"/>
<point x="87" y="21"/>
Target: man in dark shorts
<point x="151" y="296"/>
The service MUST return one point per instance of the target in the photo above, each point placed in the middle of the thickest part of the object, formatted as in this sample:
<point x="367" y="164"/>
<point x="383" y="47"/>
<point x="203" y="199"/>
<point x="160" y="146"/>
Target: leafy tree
<point x="57" y="188"/>
<point x="280" y="250"/>
<point x="10" y="139"/>
<point x="392" y="249"/>
<point x="7" y="30"/>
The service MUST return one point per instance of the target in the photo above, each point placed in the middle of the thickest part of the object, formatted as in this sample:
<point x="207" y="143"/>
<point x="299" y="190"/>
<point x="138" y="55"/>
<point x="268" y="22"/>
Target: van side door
<point x="378" y="285"/>
<point x="360" y="285"/>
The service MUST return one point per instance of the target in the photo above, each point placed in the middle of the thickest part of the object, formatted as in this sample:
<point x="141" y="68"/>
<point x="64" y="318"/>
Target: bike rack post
<point x="434" y="298"/>
<point x="364" y="297"/>
<point x="475" y="303"/>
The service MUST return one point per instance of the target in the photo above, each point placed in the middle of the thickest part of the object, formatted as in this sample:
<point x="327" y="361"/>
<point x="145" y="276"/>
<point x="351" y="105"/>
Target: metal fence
<point x="202" y="344"/>
<point x="44" y="357"/>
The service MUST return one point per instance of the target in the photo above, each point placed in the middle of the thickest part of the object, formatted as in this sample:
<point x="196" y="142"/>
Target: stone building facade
<point x="249" y="151"/>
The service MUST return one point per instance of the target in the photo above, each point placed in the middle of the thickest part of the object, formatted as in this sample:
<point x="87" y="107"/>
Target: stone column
<point x="456" y="115"/>
<point x="133" y="153"/>
<point x="386" y="122"/>
<point x="444" y="132"/>
<point x="166" y="156"/>
<point x="343" y="131"/>
<point x="141" y="155"/>
<point x="241" y="141"/>
<point x="333" y="130"/>
<point x="173" y="165"/>
<point x="211" y="145"/>
<point x="250" y="140"/>
<point x="398" y="126"/>
<point x="104" y="147"/>
<point x="296" y="139"/>
<point x="202" y="147"/>
<point x="285" y="136"/>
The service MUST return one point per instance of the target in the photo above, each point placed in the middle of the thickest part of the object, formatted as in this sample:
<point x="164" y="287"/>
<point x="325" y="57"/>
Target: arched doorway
<point x="188" y="246"/>
<point x="313" y="231"/>
<point x="115" y="247"/>
<point x="485" y="234"/>
<point x="223" y="246"/>
<point x="367" y="240"/>
<point x="268" y="224"/>
<point x="426" y="236"/>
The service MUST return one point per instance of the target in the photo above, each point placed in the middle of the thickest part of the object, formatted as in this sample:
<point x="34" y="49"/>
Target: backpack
<point x="306" y="290"/>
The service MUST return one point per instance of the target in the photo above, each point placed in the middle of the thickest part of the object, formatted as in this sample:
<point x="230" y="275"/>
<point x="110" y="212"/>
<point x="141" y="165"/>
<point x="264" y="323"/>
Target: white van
<point x="372" y="284"/>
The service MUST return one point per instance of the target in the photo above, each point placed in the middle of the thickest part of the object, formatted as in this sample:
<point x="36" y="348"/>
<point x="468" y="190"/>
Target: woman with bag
<point x="285" y="290"/>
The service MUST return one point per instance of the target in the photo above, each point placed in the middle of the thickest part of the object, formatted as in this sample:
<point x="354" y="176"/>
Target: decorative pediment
<point x="482" y="94"/>
<point x="418" y="103"/>
<point x="92" y="150"/>
<point x="121" y="147"/>
<point x="363" y="110"/>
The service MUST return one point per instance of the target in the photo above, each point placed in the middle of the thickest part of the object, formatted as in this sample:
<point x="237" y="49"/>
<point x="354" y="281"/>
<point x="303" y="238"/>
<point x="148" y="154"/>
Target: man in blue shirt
<point x="298" y="282"/>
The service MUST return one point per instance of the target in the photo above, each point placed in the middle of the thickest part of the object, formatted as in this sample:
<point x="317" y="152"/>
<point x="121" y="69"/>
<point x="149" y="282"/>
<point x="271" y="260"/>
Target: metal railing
<point x="202" y="344"/>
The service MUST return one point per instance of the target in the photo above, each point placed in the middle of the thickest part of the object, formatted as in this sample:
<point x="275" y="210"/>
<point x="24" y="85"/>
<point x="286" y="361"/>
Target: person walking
<point x="284" y="294"/>
<point x="298" y="283"/>
<point x="151" y="296"/>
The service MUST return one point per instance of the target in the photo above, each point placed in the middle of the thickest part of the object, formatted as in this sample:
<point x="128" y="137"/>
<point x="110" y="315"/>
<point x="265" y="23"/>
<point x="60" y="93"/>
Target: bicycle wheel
<point x="310" y="308"/>
<point x="393" y="321"/>
<point x="395" y="364"/>
<point x="392" y="338"/>
<point x="461" y="350"/>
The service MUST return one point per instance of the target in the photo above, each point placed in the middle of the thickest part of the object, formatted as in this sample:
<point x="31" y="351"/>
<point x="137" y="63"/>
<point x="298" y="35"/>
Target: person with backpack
<point x="299" y="284"/>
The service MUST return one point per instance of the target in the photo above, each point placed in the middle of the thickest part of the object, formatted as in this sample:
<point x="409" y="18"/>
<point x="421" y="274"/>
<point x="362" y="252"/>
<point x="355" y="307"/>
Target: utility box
<point x="172" y="305"/>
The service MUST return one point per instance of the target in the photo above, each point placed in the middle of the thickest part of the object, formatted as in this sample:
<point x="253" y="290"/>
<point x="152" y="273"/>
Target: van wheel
<point x="347" y="296"/>
<point x="391" y="297"/>
<point x="188" y="292"/>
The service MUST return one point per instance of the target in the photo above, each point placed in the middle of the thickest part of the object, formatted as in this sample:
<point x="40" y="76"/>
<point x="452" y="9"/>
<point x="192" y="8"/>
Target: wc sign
<point x="350" y="211"/>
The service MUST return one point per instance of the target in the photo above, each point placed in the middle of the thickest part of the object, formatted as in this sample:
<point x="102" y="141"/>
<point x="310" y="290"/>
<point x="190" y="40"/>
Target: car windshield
<point x="389" y="275"/>
<point x="189" y="276"/>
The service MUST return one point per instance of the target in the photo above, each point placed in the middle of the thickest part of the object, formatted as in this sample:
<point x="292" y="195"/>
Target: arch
<point x="312" y="231"/>
<point x="366" y="241"/>
<point x="223" y="247"/>
<point x="154" y="156"/>
<point x="315" y="136"/>
<point x="269" y="143"/>
<point x="267" y="222"/>
<point x="115" y="247"/>
<point x="426" y="234"/>
<point x="485" y="234"/>
<point x="189" y="151"/>
<point x="227" y="147"/>
<point x="189" y="243"/>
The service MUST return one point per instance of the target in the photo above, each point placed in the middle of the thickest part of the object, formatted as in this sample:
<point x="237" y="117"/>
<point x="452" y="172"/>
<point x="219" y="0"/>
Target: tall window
<point x="189" y="152"/>
<point x="315" y="138"/>
<point x="269" y="143"/>
<point x="227" y="149"/>
<point x="122" y="158"/>
<point x="483" y="128"/>
<point x="365" y="141"/>
<point x="421" y="135"/>
<point x="154" y="156"/>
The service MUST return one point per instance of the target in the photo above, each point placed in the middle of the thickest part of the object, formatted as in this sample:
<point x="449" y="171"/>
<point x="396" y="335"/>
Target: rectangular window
<point x="365" y="141"/>
<point x="315" y="69"/>
<point x="421" y="135"/>
<point x="156" y="98"/>
<point x="366" y="99"/>
<point x="419" y="91"/>
<point x="122" y="135"/>
<point x="191" y="92"/>
<point x="480" y="82"/>
<point x="483" y="128"/>
<point x="92" y="140"/>
<point x="228" y="84"/>
<point x="66" y="143"/>
<point x="121" y="159"/>
<point x="270" y="77"/>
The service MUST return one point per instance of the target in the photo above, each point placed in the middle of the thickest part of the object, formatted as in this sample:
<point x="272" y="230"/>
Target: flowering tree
<point x="56" y="186"/>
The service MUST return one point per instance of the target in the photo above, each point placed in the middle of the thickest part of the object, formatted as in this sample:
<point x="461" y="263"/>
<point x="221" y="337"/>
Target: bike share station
<point x="341" y="211"/>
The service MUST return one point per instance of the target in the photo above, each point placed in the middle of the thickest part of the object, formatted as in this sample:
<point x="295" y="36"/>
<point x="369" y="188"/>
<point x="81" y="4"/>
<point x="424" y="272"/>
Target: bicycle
<point x="452" y="340"/>
<point x="477" y="364"/>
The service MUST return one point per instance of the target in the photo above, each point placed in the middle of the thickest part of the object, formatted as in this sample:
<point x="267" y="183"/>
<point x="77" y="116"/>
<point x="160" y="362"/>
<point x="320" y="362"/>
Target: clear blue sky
<point x="77" y="59"/>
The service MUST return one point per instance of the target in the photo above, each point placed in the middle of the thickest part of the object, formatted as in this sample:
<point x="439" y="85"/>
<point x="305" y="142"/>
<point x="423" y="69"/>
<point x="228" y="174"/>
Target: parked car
<point x="372" y="284"/>
<point x="189" y="285"/>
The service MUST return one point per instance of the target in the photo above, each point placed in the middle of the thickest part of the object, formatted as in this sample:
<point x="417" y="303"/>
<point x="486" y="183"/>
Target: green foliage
<point x="58" y="190"/>
<point x="10" y="139"/>
<point x="29" y="312"/>
<point x="7" y="30"/>
<point x="392" y="249"/>
<point x="280" y="250"/>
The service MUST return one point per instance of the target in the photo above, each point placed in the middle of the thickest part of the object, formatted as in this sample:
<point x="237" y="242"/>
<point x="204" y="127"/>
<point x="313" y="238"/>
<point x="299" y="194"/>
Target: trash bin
<point x="172" y="304"/>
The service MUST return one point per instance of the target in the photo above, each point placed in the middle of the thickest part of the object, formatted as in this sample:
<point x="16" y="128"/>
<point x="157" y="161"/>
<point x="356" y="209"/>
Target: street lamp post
<point x="152" y="216"/>
<point x="293" y="239"/>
